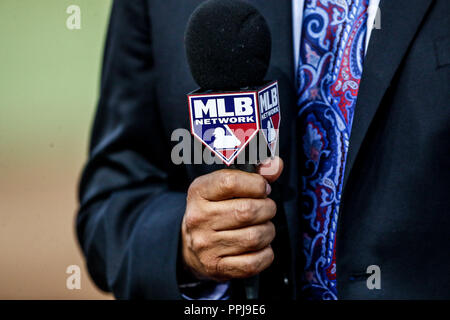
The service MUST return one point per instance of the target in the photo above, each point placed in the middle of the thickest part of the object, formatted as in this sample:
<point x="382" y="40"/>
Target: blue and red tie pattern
<point x="329" y="72"/>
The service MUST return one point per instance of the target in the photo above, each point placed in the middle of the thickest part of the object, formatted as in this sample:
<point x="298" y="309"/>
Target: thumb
<point x="271" y="169"/>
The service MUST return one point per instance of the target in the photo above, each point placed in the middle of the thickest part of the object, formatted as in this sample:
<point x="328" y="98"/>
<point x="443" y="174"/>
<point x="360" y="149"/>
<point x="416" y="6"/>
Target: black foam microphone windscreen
<point x="228" y="45"/>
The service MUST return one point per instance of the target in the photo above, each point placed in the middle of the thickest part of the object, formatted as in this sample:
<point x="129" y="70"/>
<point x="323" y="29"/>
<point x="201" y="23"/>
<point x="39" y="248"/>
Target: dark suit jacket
<point x="395" y="210"/>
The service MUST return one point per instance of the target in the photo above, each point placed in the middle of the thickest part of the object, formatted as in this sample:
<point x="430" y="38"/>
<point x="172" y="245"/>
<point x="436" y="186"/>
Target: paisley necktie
<point x="328" y="77"/>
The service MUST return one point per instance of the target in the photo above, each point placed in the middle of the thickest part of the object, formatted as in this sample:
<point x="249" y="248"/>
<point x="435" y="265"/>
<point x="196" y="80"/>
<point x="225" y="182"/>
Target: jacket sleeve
<point x="129" y="220"/>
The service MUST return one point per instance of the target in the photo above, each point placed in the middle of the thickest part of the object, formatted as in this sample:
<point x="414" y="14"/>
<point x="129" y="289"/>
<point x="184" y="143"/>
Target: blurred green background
<point x="49" y="80"/>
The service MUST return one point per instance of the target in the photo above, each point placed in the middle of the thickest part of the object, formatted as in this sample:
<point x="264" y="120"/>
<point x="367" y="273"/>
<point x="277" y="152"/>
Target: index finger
<point x="229" y="183"/>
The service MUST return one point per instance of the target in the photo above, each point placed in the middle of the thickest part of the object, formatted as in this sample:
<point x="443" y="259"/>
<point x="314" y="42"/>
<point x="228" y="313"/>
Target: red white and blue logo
<point x="226" y="122"/>
<point x="269" y="107"/>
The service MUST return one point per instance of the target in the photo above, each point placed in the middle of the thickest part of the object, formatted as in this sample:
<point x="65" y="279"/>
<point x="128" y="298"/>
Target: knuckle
<point x="250" y="268"/>
<point x="191" y="221"/>
<point x="228" y="181"/>
<point x="199" y="243"/>
<point x="207" y="264"/>
<point x="213" y="268"/>
<point x="194" y="184"/>
<point x="193" y="188"/>
<point x="222" y="271"/>
<point x="253" y="267"/>
<point x="244" y="211"/>
<point x="252" y="238"/>
<point x="217" y="269"/>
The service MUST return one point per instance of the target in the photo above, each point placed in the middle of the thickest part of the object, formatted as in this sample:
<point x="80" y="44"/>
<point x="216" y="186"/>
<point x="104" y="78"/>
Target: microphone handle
<point x="251" y="284"/>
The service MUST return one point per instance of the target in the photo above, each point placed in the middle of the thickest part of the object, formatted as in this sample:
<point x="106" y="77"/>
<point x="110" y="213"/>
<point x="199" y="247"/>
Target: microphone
<point x="228" y="45"/>
<point x="228" y="48"/>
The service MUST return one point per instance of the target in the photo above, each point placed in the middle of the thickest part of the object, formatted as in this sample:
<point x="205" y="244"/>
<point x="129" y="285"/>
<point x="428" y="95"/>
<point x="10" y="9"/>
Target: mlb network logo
<point x="227" y="122"/>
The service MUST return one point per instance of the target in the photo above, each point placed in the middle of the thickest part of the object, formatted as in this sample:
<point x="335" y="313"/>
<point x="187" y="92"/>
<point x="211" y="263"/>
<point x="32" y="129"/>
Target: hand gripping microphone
<point x="228" y="47"/>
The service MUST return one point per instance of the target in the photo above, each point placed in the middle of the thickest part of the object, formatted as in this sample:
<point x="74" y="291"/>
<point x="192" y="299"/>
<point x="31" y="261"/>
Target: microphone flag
<point x="226" y="122"/>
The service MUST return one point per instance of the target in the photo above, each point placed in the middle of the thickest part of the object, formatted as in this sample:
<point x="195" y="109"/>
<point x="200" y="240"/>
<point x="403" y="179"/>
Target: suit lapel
<point x="278" y="15"/>
<point x="400" y="20"/>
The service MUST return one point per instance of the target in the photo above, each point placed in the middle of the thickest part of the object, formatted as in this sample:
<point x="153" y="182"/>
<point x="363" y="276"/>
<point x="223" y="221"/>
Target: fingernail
<point x="268" y="189"/>
<point x="266" y="162"/>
